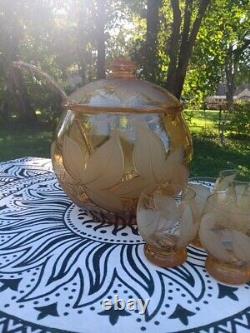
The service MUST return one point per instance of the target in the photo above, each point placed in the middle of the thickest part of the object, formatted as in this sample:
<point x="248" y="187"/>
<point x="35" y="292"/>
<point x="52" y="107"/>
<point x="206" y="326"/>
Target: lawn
<point x="203" y="121"/>
<point x="19" y="142"/>
<point x="209" y="155"/>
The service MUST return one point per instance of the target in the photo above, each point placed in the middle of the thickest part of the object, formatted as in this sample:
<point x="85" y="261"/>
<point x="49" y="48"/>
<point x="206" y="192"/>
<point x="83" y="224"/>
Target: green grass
<point x="20" y="142"/>
<point x="209" y="155"/>
<point x="203" y="122"/>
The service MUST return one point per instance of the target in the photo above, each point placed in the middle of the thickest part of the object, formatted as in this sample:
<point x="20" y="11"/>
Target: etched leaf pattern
<point x="224" y="244"/>
<point x="104" y="199"/>
<point x="104" y="169"/>
<point x="149" y="154"/>
<point x="73" y="159"/>
<point x="147" y="221"/>
<point x="132" y="188"/>
<point x="105" y="166"/>
<point x="152" y="164"/>
<point x="162" y="220"/>
<point x="211" y="238"/>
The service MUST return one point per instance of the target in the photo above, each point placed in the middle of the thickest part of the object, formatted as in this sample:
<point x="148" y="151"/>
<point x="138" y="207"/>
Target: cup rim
<point x="227" y="206"/>
<point x="183" y="194"/>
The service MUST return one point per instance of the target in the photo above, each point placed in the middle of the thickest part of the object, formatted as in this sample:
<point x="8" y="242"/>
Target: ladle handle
<point x="33" y="69"/>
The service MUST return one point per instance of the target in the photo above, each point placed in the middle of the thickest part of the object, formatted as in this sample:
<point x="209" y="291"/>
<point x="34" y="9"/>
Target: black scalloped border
<point x="224" y="322"/>
<point x="25" y="326"/>
<point x="235" y="325"/>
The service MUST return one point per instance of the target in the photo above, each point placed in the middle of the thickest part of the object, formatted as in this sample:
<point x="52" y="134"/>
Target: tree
<point x="151" y="45"/>
<point x="221" y="52"/>
<point x="180" y="46"/>
<point x="235" y="48"/>
<point x="16" y="95"/>
<point x="100" y="37"/>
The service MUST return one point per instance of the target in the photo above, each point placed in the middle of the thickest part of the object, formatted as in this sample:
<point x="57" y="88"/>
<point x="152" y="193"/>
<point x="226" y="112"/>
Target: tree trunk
<point x="153" y="8"/>
<point x="181" y="44"/>
<point x="100" y="34"/>
<point x="229" y="71"/>
<point x="173" y="47"/>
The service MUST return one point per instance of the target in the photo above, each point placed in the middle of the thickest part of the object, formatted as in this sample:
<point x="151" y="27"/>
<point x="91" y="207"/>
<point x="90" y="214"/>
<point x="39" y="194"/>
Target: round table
<point x="60" y="271"/>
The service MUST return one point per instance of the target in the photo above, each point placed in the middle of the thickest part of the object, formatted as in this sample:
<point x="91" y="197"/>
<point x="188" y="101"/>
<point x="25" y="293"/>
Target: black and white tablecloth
<point x="58" y="266"/>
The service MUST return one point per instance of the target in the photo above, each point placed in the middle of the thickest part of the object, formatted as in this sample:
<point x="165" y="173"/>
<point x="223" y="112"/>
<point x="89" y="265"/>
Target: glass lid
<point x="122" y="92"/>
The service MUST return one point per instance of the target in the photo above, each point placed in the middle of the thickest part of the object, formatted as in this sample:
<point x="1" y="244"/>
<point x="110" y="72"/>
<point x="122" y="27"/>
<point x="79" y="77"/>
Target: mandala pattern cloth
<point x="57" y="266"/>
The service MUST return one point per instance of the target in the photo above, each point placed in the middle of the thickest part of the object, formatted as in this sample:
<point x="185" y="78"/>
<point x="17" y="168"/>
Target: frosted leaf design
<point x="104" y="169"/>
<point x="105" y="166"/>
<point x="149" y="154"/>
<point x="167" y="206"/>
<point x="165" y="222"/>
<point x="241" y="245"/>
<point x="133" y="187"/>
<point x="105" y="199"/>
<point x="73" y="158"/>
<point x="152" y="166"/>
<point x="151" y="163"/>
<point x="211" y="238"/>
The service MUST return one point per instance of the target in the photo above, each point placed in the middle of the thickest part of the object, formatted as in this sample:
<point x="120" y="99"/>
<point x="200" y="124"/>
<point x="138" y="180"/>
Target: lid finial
<point x="122" y="68"/>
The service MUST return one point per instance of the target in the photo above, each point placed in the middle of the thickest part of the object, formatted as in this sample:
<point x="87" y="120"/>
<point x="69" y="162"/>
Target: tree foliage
<point x="187" y="46"/>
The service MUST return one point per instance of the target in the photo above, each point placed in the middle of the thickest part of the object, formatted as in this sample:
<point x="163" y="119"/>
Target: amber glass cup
<point x="225" y="234"/>
<point x="167" y="223"/>
<point x="204" y="187"/>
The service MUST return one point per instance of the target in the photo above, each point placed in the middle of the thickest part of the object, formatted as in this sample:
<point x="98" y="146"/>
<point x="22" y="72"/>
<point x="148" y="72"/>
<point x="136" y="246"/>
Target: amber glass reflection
<point x="105" y="160"/>
<point x="167" y="224"/>
<point x="225" y="234"/>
